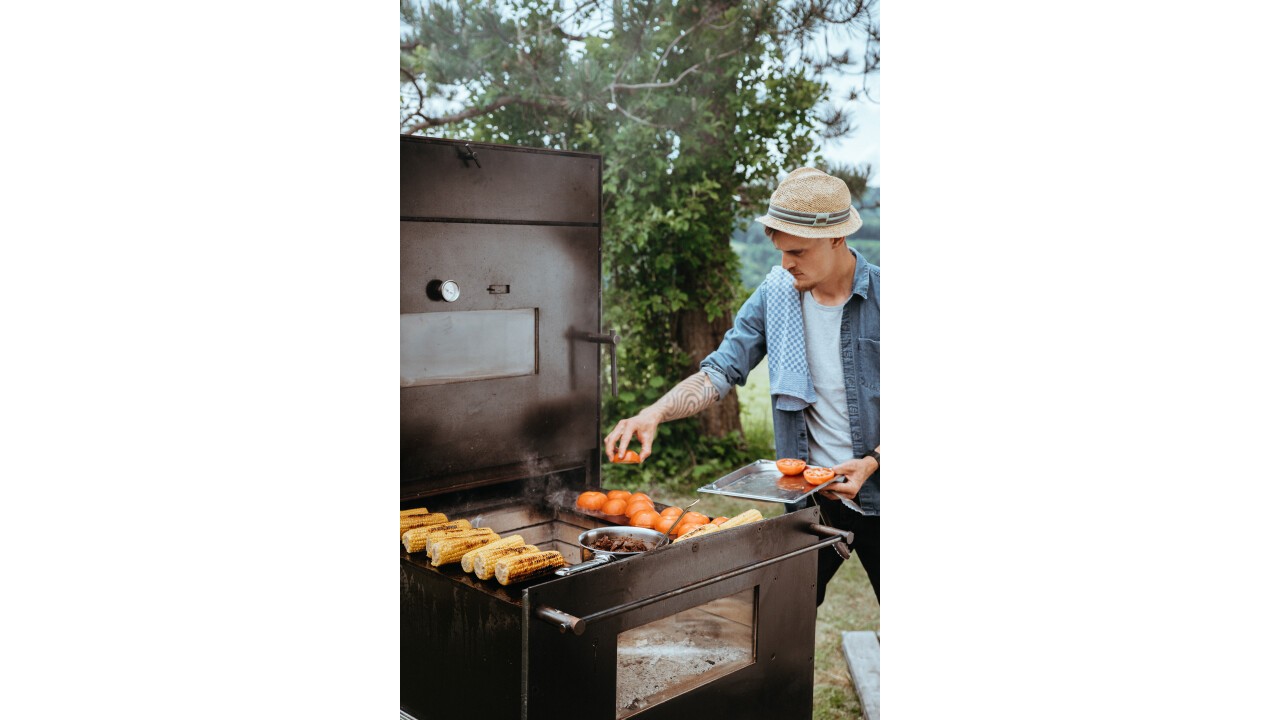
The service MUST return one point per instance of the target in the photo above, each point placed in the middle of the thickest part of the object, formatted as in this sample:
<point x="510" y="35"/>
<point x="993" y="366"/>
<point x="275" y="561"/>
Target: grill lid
<point x="499" y="292"/>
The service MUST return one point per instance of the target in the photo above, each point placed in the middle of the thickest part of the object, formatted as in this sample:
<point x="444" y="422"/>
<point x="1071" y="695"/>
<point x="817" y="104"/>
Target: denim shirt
<point x="743" y="348"/>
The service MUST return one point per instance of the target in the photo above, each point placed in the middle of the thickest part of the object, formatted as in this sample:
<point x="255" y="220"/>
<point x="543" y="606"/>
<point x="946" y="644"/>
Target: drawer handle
<point x="560" y="619"/>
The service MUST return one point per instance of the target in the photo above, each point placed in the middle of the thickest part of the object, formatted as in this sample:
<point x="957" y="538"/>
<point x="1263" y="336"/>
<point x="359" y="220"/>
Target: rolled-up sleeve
<point x="741" y="350"/>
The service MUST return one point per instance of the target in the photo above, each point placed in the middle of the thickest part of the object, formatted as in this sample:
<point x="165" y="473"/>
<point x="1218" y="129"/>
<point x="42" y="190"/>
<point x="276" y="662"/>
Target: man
<point x="818" y="319"/>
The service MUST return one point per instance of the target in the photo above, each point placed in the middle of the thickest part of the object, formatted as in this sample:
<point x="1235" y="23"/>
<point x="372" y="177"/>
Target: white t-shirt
<point x="830" y="442"/>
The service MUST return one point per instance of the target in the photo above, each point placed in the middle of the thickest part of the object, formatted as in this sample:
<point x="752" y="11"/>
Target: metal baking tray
<point x="760" y="481"/>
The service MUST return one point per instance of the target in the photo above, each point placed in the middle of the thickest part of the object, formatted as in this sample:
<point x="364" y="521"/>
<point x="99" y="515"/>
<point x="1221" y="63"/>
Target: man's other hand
<point x="856" y="472"/>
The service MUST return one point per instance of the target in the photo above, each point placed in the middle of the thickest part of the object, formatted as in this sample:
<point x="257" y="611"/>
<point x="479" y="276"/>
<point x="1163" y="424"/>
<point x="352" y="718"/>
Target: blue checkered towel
<point x="784" y="343"/>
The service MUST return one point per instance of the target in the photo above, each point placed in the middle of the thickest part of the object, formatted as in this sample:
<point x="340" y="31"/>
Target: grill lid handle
<point x="610" y="338"/>
<point x="468" y="156"/>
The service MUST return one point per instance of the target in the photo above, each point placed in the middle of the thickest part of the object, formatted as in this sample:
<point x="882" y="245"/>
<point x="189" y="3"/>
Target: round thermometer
<point x="446" y="290"/>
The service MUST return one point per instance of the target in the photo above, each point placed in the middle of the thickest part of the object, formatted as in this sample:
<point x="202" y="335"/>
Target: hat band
<point x="810" y="219"/>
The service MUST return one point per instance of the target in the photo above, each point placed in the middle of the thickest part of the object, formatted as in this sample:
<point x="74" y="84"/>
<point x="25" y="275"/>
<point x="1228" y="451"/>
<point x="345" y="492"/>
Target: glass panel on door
<point x="680" y="652"/>
<point x="447" y="347"/>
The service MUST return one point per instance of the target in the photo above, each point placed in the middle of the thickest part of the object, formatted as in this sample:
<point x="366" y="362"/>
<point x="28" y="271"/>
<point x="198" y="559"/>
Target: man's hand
<point x="693" y="395"/>
<point x="643" y="426"/>
<point x="856" y="472"/>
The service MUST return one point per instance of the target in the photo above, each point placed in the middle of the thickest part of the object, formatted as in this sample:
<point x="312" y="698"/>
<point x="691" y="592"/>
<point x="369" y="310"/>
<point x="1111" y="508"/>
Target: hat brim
<point x="840" y="230"/>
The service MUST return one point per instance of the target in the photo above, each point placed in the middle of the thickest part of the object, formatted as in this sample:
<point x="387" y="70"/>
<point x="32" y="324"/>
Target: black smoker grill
<point x="500" y="424"/>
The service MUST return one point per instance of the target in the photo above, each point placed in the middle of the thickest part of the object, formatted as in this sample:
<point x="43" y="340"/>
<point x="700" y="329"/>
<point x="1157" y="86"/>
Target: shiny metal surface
<point x="593" y="557"/>
<point x="761" y="480"/>
<point x="650" y="537"/>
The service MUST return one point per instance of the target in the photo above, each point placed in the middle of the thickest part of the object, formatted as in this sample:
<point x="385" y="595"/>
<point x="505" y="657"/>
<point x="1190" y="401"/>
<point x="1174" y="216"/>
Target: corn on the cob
<point x="525" y="567"/>
<point x="749" y="516"/>
<point x="415" y="539"/>
<point x="434" y="539"/>
<point x="486" y="562"/>
<point x="419" y="518"/>
<point x="469" y="560"/>
<point x="438" y="528"/>
<point x="700" y="531"/>
<point x="451" y="551"/>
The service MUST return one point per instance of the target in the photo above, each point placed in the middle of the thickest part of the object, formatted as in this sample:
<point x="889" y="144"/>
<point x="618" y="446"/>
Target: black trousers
<point x="866" y="543"/>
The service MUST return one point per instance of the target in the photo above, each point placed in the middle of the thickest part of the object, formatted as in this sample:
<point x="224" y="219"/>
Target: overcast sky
<point x="864" y="145"/>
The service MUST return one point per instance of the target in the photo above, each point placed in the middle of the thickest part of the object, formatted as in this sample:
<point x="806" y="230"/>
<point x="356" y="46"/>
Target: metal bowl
<point x="652" y="538"/>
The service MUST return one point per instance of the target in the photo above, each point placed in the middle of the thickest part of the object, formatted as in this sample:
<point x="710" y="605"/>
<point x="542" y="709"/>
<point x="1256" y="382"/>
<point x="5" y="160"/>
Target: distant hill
<point x="758" y="254"/>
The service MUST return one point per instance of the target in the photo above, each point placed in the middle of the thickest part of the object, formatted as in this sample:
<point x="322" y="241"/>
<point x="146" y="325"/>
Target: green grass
<point x="850" y="603"/>
<point x="755" y="412"/>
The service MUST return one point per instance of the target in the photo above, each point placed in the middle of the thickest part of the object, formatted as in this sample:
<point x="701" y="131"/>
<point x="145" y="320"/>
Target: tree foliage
<point x="698" y="108"/>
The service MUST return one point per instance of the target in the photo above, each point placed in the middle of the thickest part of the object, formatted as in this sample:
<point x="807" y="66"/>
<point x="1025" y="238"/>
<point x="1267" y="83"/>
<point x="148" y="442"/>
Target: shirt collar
<point x="861" y="276"/>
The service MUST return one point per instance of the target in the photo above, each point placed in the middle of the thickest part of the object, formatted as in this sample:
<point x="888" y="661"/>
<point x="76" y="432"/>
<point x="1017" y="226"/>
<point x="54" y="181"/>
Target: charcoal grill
<point x="501" y="359"/>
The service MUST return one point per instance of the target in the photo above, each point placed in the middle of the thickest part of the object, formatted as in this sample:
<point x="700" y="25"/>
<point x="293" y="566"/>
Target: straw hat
<point x="812" y="204"/>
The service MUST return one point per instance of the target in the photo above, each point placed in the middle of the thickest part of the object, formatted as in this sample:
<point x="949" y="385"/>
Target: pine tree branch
<point x="614" y="96"/>
<point x="683" y="34"/>
<point x="504" y="101"/>
<point x="670" y="83"/>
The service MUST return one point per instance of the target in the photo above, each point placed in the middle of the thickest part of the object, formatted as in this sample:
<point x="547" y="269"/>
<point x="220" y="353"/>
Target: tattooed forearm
<point x="693" y="395"/>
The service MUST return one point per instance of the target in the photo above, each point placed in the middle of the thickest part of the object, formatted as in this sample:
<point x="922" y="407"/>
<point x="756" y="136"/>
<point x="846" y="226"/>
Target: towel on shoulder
<point x="789" y="378"/>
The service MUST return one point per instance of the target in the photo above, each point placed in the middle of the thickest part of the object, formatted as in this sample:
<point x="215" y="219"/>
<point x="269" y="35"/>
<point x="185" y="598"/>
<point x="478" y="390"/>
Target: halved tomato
<point x="671" y="512"/>
<point x="636" y="506"/>
<point x="615" y="506"/>
<point x="645" y="518"/>
<point x="664" y="524"/>
<point x="591" y="500"/>
<point x="790" y="466"/>
<point x="630" y="456"/>
<point x="686" y="526"/>
<point x="695" y="517"/>
<point x="624" y="495"/>
<point x="720" y="520"/>
<point x="818" y="475"/>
